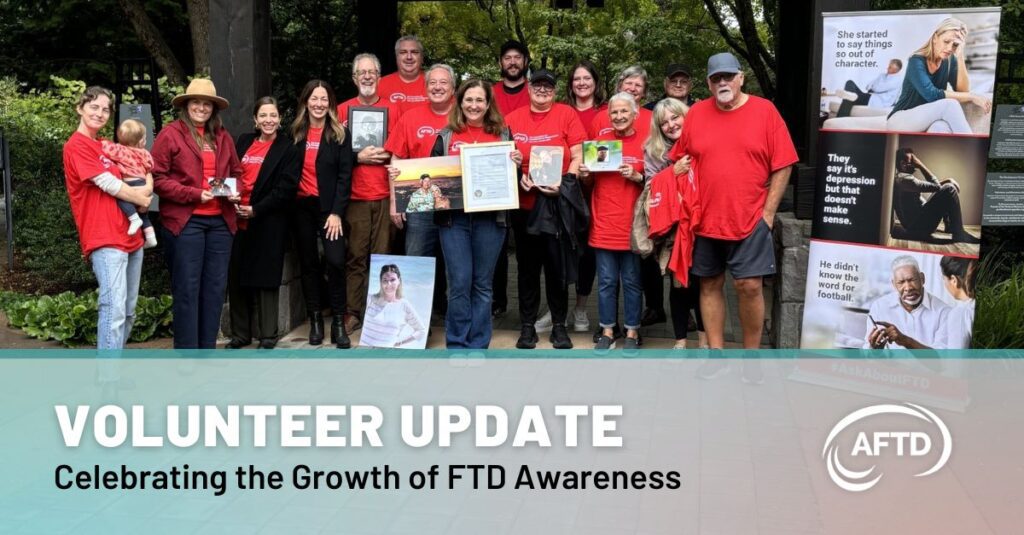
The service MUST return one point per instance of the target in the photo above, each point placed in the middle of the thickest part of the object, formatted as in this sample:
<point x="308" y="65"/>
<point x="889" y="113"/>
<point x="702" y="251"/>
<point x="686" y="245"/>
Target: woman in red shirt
<point x="615" y="193"/>
<point x="198" y="227"/>
<point x="472" y="242"/>
<point x="270" y="174"/>
<point x="325" y="187"/>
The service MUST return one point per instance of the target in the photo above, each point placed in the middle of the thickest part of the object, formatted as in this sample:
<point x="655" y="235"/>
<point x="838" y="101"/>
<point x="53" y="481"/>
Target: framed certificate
<point x="489" y="179"/>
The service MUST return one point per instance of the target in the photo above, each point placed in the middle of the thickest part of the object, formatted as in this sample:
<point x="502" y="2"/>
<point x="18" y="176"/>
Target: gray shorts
<point x="753" y="256"/>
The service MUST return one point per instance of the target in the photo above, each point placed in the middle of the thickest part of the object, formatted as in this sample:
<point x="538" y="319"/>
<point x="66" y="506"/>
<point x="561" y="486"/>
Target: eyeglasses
<point x="679" y="81"/>
<point x="727" y="76"/>
<point x="365" y="72"/>
<point x="543" y="88"/>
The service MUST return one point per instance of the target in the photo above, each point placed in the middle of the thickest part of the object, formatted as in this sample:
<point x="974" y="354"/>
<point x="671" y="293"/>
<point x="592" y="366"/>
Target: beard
<point x="505" y="75"/>
<point x="367" y="91"/>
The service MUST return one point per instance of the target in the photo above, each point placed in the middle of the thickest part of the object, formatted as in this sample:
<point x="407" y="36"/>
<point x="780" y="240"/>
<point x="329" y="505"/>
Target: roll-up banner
<point x="906" y="106"/>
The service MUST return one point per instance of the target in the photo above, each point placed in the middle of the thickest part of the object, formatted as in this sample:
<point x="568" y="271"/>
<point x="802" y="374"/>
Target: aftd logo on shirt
<point x="254" y="160"/>
<point x="398" y="97"/>
<point x="654" y="200"/>
<point x="604" y="131"/>
<point x="425" y="131"/>
<point x="312" y="145"/>
<point x="520" y="138"/>
<point x="106" y="162"/>
<point x="456" y="146"/>
<point x="907" y="441"/>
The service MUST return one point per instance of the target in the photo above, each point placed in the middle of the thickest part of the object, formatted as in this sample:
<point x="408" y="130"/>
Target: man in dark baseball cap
<point x="677" y="84"/>
<point x="513" y="60"/>
<point x="543" y="76"/>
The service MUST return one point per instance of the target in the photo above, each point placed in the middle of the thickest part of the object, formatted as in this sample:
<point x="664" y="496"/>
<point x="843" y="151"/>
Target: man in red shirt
<point x="367" y="220"/>
<point x="405" y="87"/>
<point x="743" y="155"/>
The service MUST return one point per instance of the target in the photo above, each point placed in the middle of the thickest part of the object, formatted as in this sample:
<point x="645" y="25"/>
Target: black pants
<point x="683" y="300"/>
<point x="249" y="304"/>
<point x="847" y="105"/>
<point x="533" y="254"/>
<point x="942" y="205"/>
<point x="308" y="226"/>
<point x="587" y="270"/>
<point x="653" y="283"/>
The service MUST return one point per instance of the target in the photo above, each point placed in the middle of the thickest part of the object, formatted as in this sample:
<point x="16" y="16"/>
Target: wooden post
<point x="240" y="57"/>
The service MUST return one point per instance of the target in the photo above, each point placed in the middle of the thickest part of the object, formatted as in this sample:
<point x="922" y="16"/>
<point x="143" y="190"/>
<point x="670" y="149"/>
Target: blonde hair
<point x="657" y="145"/>
<point x="131" y="132"/>
<point x="949" y="25"/>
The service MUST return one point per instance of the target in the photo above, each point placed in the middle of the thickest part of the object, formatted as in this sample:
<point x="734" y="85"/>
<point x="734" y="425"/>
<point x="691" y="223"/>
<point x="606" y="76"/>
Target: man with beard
<point x="510" y="92"/>
<point x="910" y="317"/>
<point x="405" y="88"/>
<point x="743" y="155"/>
<point x="367" y="221"/>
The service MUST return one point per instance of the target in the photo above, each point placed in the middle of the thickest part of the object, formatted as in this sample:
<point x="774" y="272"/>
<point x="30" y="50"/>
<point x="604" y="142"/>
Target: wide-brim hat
<point x="203" y="89"/>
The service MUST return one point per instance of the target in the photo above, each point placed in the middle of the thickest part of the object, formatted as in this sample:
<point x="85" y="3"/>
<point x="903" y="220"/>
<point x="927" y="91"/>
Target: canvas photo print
<point x="427" y="185"/>
<point x="398" y="301"/>
<point x="605" y="155"/>
<point x="546" y="165"/>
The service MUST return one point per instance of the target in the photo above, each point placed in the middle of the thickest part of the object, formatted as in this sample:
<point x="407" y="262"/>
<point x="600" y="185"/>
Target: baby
<point x="135" y="163"/>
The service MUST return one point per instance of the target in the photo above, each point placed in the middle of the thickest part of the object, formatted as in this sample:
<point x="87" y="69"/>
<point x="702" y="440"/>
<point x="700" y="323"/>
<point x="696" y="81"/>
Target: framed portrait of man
<point x="368" y="126"/>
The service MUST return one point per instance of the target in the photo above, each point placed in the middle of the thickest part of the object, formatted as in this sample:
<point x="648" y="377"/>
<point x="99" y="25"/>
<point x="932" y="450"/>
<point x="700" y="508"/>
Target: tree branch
<point x="151" y="39"/>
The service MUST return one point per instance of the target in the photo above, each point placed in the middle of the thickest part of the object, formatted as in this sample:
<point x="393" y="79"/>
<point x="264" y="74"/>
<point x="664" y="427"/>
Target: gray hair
<point x="624" y="97"/>
<point x="904" y="261"/>
<point x="410" y="37"/>
<point x="444" y="67"/>
<point x="630" y="72"/>
<point x="365" y="55"/>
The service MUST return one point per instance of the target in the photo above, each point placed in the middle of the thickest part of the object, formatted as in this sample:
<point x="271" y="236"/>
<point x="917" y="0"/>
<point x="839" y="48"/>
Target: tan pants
<point x="369" y="232"/>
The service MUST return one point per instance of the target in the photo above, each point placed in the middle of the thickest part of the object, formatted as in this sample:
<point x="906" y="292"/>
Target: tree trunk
<point x="749" y="45"/>
<point x="151" y="39"/>
<point x="199" y="24"/>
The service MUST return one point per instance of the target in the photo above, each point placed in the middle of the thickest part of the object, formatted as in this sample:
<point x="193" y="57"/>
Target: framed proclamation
<point x="489" y="179"/>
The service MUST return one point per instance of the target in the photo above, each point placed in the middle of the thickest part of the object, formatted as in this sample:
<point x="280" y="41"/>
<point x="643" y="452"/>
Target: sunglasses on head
<point x="727" y="76"/>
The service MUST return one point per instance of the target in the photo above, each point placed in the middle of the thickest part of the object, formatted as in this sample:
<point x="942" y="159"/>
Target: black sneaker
<point x="604" y="343"/>
<point x="616" y="332"/>
<point x="630" y="346"/>
<point x="497" y="310"/>
<point x="560" y="337"/>
<point x="527" y="337"/>
<point x="652" y="316"/>
<point x="236" y="343"/>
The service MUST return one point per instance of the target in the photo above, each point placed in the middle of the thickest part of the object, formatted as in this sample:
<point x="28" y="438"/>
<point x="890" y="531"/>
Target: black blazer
<point x="259" y="250"/>
<point x="333" y="174"/>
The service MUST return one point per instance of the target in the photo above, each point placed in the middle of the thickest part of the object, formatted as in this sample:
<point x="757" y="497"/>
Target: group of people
<point x="714" y="172"/>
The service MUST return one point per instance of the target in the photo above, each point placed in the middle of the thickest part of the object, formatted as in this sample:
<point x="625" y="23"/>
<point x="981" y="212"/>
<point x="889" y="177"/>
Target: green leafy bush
<point x="71" y="319"/>
<point x="1000" y="300"/>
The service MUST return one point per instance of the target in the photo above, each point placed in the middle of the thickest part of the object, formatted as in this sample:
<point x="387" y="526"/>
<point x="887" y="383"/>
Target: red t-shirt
<point x="404" y="95"/>
<point x="370" y="182"/>
<point x="734" y="153"/>
<point x="469" y="136"/>
<point x="252" y="161"/>
<point x="307" y="183"/>
<point x="602" y="125"/>
<point x="100" y="222"/>
<point x="557" y="127"/>
<point x="614" y="197"/>
<point x="415" y="133"/>
<point x="510" y="102"/>
<point x="211" y="207"/>
<point x="587" y="116"/>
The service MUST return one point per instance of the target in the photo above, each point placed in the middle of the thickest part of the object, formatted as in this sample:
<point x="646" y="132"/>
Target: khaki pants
<point x="369" y="232"/>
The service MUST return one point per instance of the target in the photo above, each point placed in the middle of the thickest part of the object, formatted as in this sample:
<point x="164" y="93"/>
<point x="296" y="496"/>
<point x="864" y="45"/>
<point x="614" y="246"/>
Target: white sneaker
<point x="580" y="321"/>
<point x="150" y="238"/>
<point x="846" y="95"/>
<point x="134" y="224"/>
<point x="543" y="325"/>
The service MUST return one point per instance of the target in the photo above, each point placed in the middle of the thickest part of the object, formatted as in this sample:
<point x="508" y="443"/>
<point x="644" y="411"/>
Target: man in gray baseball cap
<point x="743" y="154"/>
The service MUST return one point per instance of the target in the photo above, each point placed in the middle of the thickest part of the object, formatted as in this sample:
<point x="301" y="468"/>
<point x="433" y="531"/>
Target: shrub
<point x="71" y="319"/>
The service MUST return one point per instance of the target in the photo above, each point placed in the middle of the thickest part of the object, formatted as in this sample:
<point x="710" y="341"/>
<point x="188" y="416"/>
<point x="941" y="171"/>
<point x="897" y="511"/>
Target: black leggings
<point x="682" y="301"/>
<point x="308" y="226"/>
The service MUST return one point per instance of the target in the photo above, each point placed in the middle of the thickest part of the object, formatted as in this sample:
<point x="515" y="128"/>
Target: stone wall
<point x="791" y="241"/>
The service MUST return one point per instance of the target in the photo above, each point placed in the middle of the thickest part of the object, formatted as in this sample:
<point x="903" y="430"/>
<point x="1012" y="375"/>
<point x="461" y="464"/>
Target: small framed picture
<point x="603" y="155"/>
<point x="369" y="127"/>
<point x="223" y="186"/>
<point x="546" y="165"/>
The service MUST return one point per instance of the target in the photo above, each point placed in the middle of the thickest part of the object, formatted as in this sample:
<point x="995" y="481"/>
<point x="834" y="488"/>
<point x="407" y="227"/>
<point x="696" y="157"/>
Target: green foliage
<point x="72" y="319"/>
<point x="1000" y="300"/>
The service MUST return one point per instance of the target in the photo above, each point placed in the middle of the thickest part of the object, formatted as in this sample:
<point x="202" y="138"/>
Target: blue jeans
<point x="471" y="246"/>
<point x="613" y="267"/>
<point x="118" y="274"/>
<point x="421" y="236"/>
<point x="198" y="260"/>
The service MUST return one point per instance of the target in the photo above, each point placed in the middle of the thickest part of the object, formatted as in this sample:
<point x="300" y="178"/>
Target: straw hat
<point x="200" y="88"/>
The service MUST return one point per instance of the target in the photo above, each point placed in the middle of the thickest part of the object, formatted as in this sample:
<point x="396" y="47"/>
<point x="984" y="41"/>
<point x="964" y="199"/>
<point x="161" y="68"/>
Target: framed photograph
<point x="489" y="180"/>
<point x="369" y="127"/>
<point x="398" y="301"/>
<point x="546" y="165"/>
<point x="223" y="186"/>
<point x="427" y="185"/>
<point x="604" y="155"/>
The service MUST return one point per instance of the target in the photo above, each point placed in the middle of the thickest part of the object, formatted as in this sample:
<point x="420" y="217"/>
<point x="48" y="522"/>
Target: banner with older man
<point x="906" y="104"/>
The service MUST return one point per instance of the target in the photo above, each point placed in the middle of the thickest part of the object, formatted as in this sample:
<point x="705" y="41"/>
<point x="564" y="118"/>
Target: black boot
<point x="338" y="336"/>
<point x="316" y="328"/>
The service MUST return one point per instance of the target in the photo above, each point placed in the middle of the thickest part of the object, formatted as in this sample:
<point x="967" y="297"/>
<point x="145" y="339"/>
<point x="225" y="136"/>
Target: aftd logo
<point x="425" y="131"/>
<point x="398" y="97"/>
<point x="520" y="138"/>
<point x="902" y="443"/>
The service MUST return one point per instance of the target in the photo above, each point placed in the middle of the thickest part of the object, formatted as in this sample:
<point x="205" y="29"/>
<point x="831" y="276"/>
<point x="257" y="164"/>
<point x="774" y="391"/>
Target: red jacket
<point x="680" y="206"/>
<point x="178" y="174"/>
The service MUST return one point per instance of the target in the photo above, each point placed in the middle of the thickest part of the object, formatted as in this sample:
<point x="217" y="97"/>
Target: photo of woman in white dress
<point x="391" y="320"/>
